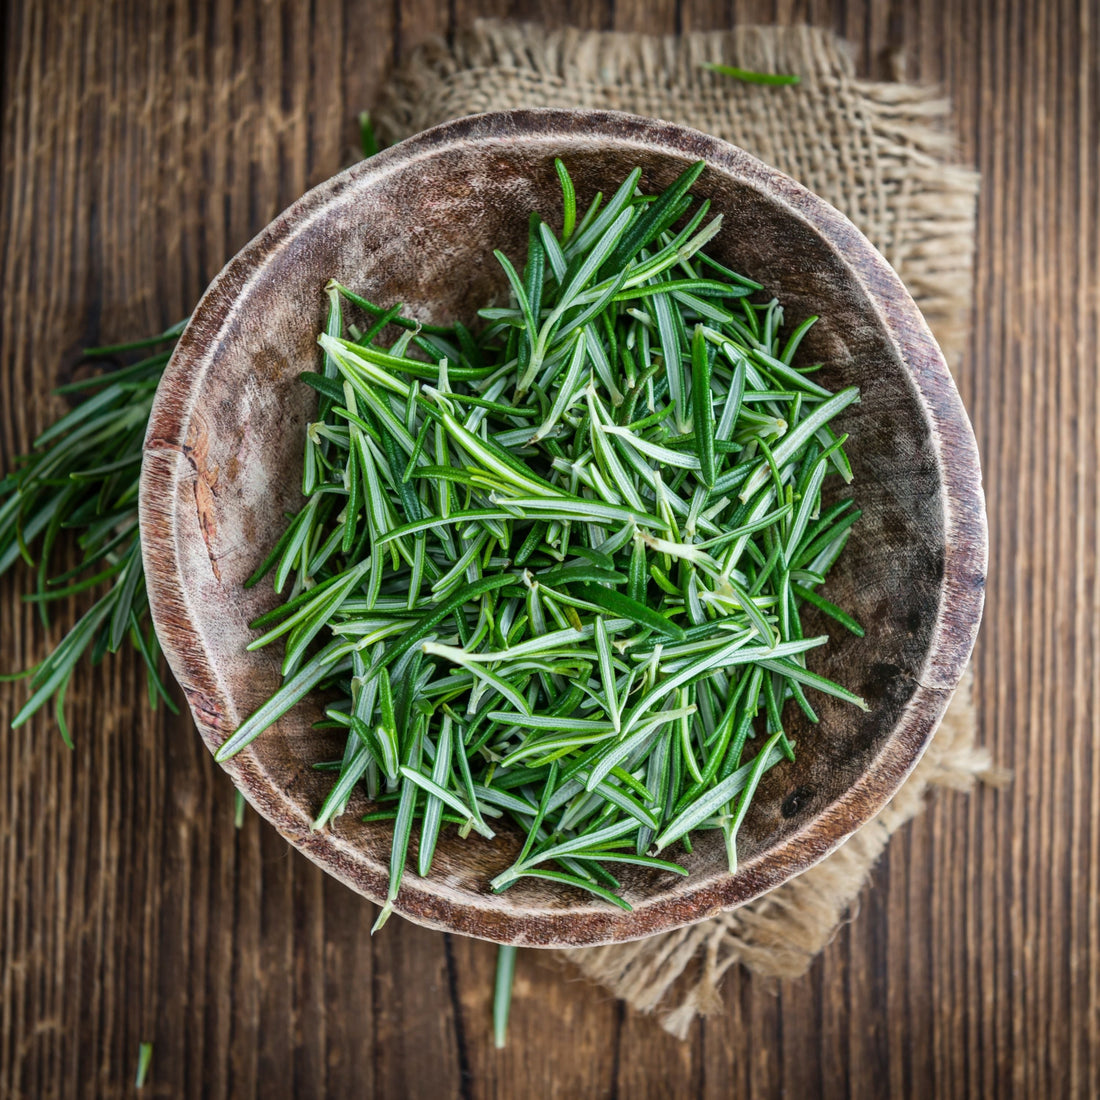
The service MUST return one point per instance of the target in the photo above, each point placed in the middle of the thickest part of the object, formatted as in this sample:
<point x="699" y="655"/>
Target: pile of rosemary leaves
<point x="552" y="572"/>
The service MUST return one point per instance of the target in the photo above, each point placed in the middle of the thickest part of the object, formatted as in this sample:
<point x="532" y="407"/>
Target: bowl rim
<point x="426" y="901"/>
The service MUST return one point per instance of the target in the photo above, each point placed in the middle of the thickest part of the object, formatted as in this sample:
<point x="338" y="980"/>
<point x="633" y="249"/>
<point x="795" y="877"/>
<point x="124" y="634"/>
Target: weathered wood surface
<point x="139" y="150"/>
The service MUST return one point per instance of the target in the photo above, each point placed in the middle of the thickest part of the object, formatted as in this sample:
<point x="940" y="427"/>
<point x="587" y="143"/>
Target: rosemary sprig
<point x="80" y="482"/>
<point x="554" y="572"/>
<point x="750" y="77"/>
<point x="81" y="479"/>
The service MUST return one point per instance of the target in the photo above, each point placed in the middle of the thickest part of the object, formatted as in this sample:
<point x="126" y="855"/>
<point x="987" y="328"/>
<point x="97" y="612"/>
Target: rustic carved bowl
<point x="417" y="224"/>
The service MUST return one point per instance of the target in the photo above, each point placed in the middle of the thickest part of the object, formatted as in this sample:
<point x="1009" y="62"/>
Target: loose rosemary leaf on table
<point x="748" y="76"/>
<point x="552" y="570"/>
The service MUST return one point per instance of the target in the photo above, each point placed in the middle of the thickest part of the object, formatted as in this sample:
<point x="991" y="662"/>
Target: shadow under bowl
<point x="417" y="224"/>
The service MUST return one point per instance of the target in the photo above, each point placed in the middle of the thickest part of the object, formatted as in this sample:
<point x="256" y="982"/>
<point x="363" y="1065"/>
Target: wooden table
<point x="139" y="152"/>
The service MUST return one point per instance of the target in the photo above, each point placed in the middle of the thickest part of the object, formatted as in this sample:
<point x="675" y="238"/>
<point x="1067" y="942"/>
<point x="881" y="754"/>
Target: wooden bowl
<point x="417" y="224"/>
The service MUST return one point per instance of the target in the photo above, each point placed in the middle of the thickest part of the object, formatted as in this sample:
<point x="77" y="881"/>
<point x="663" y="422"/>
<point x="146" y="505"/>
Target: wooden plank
<point x="561" y="1031"/>
<point x="414" y="1041"/>
<point x="137" y="153"/>
<point x="656" y="17"/>
<point x="595" y="15"/>
<point x="653" y="1063"/>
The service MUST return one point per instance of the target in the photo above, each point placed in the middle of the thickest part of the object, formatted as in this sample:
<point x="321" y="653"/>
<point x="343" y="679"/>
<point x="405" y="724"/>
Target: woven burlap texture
<point x="878" y="152"/>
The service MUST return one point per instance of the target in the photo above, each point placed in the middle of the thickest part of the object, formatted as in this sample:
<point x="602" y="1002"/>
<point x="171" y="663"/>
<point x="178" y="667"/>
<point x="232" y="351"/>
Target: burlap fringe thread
<point x="876" y="151"/>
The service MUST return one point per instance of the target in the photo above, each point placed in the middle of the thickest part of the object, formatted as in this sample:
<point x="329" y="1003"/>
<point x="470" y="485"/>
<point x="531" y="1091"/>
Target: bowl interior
<point x="418" y="225"/>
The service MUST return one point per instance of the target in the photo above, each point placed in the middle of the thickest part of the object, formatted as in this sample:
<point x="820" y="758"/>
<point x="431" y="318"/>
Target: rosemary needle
<point x="750" y="77"/>
<point x="145" y="1058"/>
<point x="502" y="993"/>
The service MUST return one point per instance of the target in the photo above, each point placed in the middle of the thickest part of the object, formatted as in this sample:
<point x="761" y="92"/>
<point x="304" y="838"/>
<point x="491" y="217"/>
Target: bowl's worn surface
<point x="417" y="224"/>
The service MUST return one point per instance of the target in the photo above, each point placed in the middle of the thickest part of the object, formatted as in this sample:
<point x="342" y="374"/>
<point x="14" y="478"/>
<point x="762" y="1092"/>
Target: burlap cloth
<point x="877" y="152"/>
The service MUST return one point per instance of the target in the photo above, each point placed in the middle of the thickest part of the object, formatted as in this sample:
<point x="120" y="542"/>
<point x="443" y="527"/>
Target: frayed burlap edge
<point x="878" y="152"/>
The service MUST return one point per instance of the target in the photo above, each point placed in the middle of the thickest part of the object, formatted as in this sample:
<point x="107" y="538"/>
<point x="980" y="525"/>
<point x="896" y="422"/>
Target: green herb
<point x="82" y="479"/>
<point x="367" y="140"/>
<point x="80" y="483"/>
<point x="749" y="77"/>
<point x="145" y="1057"/>
<point x="553" y="571"/>
<point x="502" y="993"/>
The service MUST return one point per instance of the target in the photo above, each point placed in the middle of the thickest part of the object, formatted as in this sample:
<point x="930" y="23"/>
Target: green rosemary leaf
<point x="637" y="860"/>
<point x="518" y="289"/>
<point x="54" y="673"/>
<point x="550" y="749"/>
<point x="127" y="586"/>
<point x="367" y="141"/>
<point x="710" y="803"/>
<point x="169" y="335"/>
<point x="375" y="310"/>
<point x="145" y="1059"/>
<point x="433" y="810"/>
<point x="702" y="405"/>
<point x="150" y="652"/>
<point x="436" y="615"/>
<point x="830" y="609"/>
<point x="327" y="387"/>
<point x="587" y="238"/>
<point x="812" y="679"/>
<point x="402" y="829"/>
<point x="489" y="678"/>
<point x="616" y="796"/>
<point x="569" y="201"/>
<point x="580" y="883"/>
<point x="795" y="339"/>
<point x="658" y="216"/>
<point x="505" y="978"/>
<point x="580" y="843"/>
<point x="624" y="607"/>
<point x="607" y="671"/>
<point x="760" y="765"/>
<point x="349" y="777"/>
<point x="799" y="436"/>
<point x="817" y="540"/>
<point x="334" y="658"/>
<point x="72" y="589"/>
<point x="587" y="726"/>
<point x="786" y="375"/>
<point x="810" y="498"/>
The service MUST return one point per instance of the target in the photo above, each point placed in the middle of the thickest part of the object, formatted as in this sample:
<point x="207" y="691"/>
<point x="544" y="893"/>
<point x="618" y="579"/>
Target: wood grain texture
<point x="141" y="146"/>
